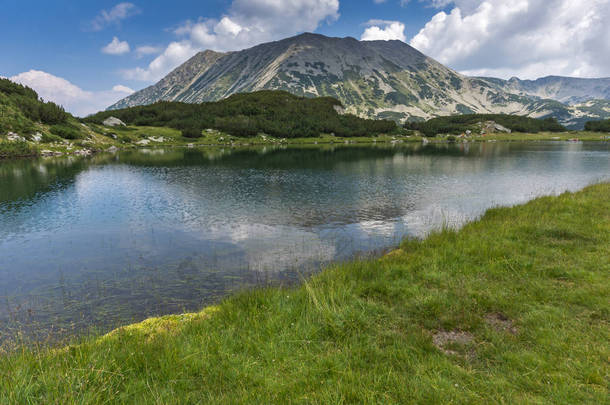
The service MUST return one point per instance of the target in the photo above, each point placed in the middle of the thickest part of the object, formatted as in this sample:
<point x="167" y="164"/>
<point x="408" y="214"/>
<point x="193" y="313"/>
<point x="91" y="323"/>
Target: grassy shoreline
<point x="128" y="138"/>
<point x="513" y="308"/>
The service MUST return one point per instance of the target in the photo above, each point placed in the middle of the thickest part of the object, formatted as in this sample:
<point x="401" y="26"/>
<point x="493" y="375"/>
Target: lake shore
<point x="112" y="139"/>
<point x="512" y="308"/>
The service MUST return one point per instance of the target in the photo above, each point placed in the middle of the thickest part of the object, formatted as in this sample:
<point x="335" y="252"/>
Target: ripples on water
<point x="116" y="238"/>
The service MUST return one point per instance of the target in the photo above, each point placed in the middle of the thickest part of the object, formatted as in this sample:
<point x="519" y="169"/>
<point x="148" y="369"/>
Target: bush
<point x="48" y="138"/>
<point x="598" y="126"/>
<point x="66" y="131"/>
<point x="192" y="133"/>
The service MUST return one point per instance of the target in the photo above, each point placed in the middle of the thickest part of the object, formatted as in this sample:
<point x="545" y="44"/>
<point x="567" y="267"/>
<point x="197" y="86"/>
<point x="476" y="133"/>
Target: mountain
<point x="568" y="90"/>
<point x="381" y="79"/>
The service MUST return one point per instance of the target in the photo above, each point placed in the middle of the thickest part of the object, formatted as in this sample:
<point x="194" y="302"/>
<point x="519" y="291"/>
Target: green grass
<point x="16" y="149"/>
<point x="528" y="285"/>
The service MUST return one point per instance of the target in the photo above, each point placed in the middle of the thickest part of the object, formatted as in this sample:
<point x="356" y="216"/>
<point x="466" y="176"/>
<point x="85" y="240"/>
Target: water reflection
<point x="114" y="238"/>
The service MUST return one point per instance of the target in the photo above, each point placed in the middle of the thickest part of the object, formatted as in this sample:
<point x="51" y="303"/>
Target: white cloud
<point x="119" y="88"/>
<point x="147" y="50"/>
<point x="175" y="54"/>
<point x="74" y="99"/>
<point x="116" y="47"/>
<point x="113" y="16"/>
<point x="525" y="38"/>
<point x="380" y="30"/>
<point x="247" y="23"/>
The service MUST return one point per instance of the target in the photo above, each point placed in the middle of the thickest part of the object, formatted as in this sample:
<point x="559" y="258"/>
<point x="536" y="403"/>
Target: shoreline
<point x="58" y="151"/>
<point x="477" y="297"/>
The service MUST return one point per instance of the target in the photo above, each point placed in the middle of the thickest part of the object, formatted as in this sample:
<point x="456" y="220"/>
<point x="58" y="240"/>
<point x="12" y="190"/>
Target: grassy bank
<point x="17" y="149"/>
<point x="513" y="308"/>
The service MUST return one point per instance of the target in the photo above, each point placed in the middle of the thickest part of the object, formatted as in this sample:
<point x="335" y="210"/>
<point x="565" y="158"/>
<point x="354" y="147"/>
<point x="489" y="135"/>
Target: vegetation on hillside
<point x="16" y="149"/>
<point x="598" y="126"/>
<point x="275" y="113"/>
<point x="20" y="108"/>
<point x="457" y="124"/>
<point x="511" y="309"/>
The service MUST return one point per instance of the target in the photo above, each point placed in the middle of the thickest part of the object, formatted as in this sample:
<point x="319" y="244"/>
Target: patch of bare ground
<point x="501" y="323"/>
<point x="447" y="341"/>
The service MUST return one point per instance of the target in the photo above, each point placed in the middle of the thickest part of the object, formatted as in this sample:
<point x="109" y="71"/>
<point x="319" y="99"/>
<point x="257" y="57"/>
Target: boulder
<point x="37" y="137"/>
<point x="11" y="136"/>
<point x="500" y="128"/>
<point x="113" y="122"/>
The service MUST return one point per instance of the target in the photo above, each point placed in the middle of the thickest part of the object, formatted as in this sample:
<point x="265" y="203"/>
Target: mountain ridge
<point x="374" y="79"/>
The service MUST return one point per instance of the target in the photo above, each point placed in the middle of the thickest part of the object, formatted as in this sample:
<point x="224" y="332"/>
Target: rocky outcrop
<point x="113" y="122"/>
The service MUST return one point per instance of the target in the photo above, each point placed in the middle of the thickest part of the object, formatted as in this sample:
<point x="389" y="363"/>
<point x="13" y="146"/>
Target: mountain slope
<point x="382" y="79"/>
<point x="569" y="90"/>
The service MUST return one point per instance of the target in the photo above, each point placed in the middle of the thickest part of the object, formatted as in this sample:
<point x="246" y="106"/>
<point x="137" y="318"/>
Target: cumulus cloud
<point x="525" y="38"/>
<point x="247" y="23"/>
<point x="113" y="16"/>
<point x="380" y="30"/>
<point x="147" y="50"/>
<point x="116" y="47"/>
<point x="74" y="99"/>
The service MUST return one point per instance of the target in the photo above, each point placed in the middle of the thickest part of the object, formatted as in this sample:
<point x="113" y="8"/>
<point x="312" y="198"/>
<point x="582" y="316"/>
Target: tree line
<point x="275" y="113"/>
<point x="456" y="124"/>
<point x="598" y="126"/>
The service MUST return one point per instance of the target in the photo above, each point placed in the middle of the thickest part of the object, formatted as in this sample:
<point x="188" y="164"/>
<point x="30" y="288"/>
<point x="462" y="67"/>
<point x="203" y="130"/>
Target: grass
<point x="16" y="149"/>
<point x="514" y="308"/>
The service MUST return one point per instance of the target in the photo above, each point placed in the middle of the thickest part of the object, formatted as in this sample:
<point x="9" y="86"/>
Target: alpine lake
<point x="91" y="243"/>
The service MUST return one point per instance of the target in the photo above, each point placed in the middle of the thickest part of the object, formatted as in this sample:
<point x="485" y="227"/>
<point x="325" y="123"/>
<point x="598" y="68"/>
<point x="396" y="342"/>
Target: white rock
<point x="143" y="142"/>
<point x="37" y="137"/>
<point x="14" y="137"/>
<point x="82" y="152"/>
<point x="113" y="122"/>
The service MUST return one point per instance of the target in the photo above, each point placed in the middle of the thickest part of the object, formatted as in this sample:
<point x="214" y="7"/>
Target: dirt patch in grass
<point x="447" y="341"/>
<point x="501" y="323"/>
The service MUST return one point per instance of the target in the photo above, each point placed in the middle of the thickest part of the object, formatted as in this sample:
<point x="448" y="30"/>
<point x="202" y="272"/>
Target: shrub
<point x="598" y="126"/>
<point x="49" y="138"/>
<point x="192" y="132"/>
<point x="66" y="131"/>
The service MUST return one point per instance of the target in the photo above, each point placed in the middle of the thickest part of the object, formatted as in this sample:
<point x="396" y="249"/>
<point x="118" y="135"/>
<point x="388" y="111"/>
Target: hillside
<point x="375" y="79"/>
<point x="21" y="109"/>
<point x="275" y="113"/>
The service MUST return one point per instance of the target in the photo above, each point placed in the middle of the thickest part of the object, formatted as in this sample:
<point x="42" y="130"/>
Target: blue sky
<point x="88" y="54"/>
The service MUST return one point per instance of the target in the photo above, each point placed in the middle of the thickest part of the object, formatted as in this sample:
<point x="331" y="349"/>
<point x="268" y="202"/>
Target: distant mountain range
<point x="381" y="79"/>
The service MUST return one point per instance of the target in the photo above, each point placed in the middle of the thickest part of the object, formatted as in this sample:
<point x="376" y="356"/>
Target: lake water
<point x="102" y="241"/>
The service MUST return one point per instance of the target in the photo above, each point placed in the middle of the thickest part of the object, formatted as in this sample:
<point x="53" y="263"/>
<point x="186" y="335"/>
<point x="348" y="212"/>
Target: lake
<point x="102" y="241"/>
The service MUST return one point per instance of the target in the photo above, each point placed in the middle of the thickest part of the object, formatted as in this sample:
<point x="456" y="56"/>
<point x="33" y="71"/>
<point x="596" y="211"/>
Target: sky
<point x="86" y="55"/>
